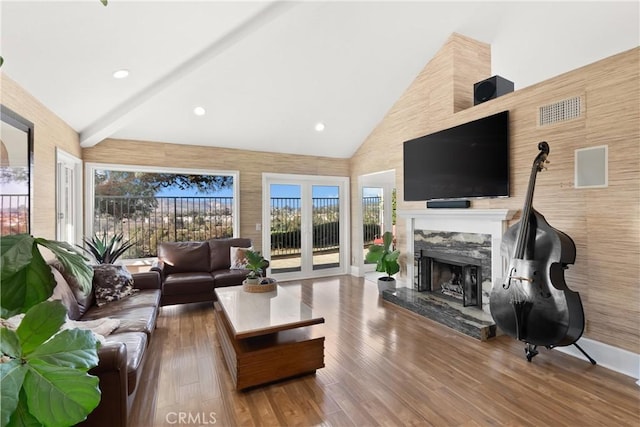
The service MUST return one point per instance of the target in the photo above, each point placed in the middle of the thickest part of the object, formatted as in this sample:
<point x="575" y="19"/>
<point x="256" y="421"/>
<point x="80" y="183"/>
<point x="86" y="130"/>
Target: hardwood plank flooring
<point x="384" y="366"/>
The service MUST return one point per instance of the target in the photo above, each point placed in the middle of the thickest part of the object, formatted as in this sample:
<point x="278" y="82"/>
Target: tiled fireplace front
<point x="457" y="256"/>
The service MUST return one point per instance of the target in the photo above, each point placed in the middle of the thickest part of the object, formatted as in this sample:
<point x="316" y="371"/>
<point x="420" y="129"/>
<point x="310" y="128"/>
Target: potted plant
<point x="106" y="250"/>
<point x="255" y="265"/>
<point x="43" y="369"/>
<point x="386" y="259"/>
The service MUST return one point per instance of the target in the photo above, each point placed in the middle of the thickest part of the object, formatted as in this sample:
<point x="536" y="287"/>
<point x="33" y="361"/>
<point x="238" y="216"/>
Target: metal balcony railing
<point x="150" y="220"/>
<point x="14" y="214"/>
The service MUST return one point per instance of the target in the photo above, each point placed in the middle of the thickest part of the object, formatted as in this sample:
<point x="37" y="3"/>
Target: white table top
<point x="254" y="314"/>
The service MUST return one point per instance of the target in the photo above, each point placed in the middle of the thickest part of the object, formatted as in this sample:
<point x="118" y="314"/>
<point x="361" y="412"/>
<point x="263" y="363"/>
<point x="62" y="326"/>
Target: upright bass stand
<point x="530" y="351"/>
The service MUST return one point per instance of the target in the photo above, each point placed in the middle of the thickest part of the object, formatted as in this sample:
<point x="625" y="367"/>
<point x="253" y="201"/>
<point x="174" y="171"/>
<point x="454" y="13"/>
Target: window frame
<point x="13" y="119"/>
<point x="91" y="167"/>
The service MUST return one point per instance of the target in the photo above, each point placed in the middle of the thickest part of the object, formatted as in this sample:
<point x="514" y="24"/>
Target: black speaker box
<point x="450" y="204"/>
<point x="491" y="88"/>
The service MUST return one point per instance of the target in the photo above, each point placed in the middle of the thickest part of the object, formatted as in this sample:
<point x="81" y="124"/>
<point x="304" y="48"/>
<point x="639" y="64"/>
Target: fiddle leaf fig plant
<point x="44" y="373"/>
<point x="27" y="279"/>
<point x="384" y="256"/>
<point x="43" y="366"/>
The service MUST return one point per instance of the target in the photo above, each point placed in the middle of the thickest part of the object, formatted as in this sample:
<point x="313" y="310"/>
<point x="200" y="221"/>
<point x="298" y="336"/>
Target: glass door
<point x="373" y="217"/>
<point x="68" y="197"/>
<point x="286" y="228"/>
<point x="376" y="211"/>
<point x="326" y="226"/>
<point x="307" y="231"/>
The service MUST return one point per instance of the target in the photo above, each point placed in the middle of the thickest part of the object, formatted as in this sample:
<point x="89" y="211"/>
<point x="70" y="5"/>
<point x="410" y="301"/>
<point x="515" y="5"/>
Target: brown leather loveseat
<point x="121" y="358"/>
<point x="190" y="271"/>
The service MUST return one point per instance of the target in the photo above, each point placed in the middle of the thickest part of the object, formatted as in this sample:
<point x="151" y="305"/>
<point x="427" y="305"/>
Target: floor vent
<point x="560" y="111"/>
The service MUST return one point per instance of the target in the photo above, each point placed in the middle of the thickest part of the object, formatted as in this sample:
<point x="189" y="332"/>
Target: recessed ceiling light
<point x="319" y="127"/>
<point x="121" y="74"/>
<point x="199" y="111"/>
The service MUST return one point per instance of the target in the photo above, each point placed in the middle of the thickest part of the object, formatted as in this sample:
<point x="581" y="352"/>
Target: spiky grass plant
<point x="106" y="250"/>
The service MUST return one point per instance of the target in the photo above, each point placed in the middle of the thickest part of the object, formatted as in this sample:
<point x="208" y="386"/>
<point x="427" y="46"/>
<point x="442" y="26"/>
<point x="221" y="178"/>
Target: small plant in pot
<point x="106" y="250"/>
<point x="386" y="259"/>
<point x="255" y="265"/>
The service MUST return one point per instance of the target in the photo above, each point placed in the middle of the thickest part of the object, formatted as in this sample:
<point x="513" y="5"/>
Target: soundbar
<point x="451" y="204"/>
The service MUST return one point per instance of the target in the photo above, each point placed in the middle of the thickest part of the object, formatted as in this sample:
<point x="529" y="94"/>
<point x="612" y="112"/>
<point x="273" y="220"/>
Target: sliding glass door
<point x="307" y="225"/>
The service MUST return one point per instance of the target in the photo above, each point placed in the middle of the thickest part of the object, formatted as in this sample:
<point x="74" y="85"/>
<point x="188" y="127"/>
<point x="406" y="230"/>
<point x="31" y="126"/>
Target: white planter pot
<point x="386" y="283"/>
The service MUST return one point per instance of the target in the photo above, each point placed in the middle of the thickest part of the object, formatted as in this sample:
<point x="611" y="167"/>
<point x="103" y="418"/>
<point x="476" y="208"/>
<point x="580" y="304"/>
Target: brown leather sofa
<point x="122" y="357"/>
<point x="190" y="271"/>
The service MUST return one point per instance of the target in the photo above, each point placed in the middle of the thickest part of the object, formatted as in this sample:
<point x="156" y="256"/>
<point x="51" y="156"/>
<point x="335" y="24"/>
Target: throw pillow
<point x="112" y="283"/>
<point x="84" y="299"/>
<point x="99" y="327"/>
<point x="239" y="259"/>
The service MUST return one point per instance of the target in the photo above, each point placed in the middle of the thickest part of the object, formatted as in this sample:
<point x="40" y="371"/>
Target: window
<point x="149" y="206"/>
<point x="16" y="161"/>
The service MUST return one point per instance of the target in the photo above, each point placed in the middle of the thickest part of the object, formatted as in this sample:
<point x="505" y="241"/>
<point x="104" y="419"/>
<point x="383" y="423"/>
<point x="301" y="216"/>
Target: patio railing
<point x="150" y="220"/>
<point x="14" y="214"/>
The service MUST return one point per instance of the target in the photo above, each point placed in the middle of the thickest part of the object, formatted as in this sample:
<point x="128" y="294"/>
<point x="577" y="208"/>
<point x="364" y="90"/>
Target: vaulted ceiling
<point x="267" y="72"/>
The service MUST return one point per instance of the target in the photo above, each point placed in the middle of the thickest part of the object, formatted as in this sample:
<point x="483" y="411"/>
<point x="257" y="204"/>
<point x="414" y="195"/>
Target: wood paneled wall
<point x="49" y="132"/>
<point x="603" y="222"/>
<point x="250" y="164"/>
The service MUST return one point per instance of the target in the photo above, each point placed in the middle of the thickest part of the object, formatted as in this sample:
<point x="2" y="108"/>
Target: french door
<point x="306" y="225"/>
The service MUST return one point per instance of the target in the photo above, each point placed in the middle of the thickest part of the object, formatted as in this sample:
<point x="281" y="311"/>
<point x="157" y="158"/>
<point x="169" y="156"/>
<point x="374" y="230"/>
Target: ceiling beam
<point x="114" y="120"/>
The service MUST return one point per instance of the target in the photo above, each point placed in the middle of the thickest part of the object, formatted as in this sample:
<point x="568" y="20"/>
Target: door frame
<point x="387" y="181"/>
<point x="306" y="181"/>
<point x="62" y="157"/>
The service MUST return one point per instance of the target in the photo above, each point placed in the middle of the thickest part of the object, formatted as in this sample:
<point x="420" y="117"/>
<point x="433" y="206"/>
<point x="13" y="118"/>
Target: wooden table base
<point x="266" y="358"/>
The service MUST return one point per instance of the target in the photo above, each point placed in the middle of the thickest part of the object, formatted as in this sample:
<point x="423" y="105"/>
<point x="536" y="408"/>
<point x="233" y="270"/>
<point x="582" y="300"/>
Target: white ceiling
<point x="267" y="72"/>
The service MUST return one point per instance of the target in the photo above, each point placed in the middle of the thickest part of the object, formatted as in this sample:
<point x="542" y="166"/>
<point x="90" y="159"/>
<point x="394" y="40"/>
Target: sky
<point x="176" y="192"/>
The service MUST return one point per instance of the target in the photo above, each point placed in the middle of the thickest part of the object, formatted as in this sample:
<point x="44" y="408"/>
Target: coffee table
<point x="267" y="336"/>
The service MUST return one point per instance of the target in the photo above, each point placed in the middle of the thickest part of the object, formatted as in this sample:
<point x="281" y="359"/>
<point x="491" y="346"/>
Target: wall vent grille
<point x="560" y="111"/>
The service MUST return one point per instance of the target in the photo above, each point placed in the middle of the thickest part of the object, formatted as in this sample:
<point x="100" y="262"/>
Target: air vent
<point x="560" y="111"/>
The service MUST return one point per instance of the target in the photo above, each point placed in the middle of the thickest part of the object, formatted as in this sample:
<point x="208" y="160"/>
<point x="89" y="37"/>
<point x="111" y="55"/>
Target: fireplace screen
<point x="458" y="278"/>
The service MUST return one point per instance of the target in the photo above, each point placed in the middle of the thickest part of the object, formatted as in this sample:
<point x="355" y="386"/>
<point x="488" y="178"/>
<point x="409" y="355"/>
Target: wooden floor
<point x="384" y="366"/>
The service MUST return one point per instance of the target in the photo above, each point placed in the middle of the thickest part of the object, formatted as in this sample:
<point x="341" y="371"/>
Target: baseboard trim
<point x="355" y="271"/>
<point x="608" y="356"/>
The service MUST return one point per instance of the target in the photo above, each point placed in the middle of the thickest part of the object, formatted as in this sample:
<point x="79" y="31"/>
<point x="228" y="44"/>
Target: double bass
<point x="533" y="302"/>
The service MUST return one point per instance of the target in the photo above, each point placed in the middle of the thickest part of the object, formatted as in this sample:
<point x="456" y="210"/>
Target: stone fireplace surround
<point x="438" y="225"/>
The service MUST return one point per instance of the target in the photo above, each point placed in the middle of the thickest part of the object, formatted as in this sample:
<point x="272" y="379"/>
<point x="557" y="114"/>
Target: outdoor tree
<point x="134" y="192"/>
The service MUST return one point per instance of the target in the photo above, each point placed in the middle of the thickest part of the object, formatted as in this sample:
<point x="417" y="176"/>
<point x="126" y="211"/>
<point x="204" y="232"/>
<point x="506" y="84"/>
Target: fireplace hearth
<point x="468" y="320"/>
<point x="452" y="281"/>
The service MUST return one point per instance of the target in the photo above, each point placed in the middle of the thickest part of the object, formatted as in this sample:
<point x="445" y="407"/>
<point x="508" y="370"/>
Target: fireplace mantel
<point x="465" y="215"/>
<point x="481" y="221"/>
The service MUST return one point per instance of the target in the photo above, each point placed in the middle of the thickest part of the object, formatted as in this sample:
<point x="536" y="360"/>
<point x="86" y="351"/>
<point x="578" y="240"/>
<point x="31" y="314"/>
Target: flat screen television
<point x="470" y="160"/>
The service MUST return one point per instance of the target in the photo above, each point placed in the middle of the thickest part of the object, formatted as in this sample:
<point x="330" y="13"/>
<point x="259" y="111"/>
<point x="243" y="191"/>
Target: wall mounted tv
<point x="470" y="160"/>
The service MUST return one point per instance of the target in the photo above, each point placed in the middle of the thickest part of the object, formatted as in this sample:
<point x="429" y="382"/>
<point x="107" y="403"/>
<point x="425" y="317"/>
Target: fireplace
<point x="454" y="265"/>
<point x="464" y="243"/>
<point x="455" y="277"/>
